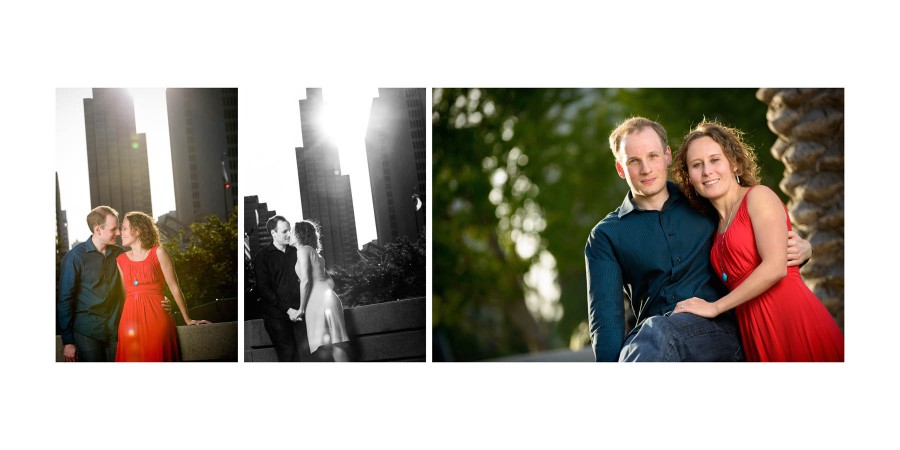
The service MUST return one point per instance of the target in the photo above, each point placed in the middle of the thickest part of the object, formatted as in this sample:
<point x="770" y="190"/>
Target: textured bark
<point x="809" y="124"/>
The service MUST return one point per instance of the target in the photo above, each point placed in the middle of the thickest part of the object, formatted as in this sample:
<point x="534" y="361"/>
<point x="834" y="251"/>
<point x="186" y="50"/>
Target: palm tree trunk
<point x="809" y="124"/>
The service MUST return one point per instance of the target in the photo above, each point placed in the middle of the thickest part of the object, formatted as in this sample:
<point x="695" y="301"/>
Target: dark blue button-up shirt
<point x="90" y="294"/>
<point x="657" y="257"/>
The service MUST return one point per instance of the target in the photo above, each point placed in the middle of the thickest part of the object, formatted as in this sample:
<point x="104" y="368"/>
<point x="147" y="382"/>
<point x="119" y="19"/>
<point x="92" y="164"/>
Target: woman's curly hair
<point x="307" y="233"/>
<point x="739" y="154"/>
<point x="144" y="227"/>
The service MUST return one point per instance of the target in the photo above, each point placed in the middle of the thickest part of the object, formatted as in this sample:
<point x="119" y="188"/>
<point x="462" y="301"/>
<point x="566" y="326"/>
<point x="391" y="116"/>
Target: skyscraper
<point x="395" y="149"/>
<point x="256" y="215"/>
<point x="62" y="226"/>
<point x="203" y="138"/>
<point x="118" y="173"/>
<point x="325" y="194"/>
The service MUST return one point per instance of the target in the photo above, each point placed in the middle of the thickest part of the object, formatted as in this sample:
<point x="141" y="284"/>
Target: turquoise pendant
<point x="724" y="278"/>
<point x="135" y="282"/>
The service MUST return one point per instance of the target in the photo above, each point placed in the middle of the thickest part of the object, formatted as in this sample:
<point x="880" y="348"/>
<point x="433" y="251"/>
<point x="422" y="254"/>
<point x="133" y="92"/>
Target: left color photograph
<point x="146" y="224"/>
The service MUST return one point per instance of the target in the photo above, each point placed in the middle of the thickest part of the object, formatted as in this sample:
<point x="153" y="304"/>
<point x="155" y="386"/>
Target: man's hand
<point x="294" y="315"/>
<point x="166" y="304"/>
<point x="70" y="354"/>
<point x="798" y="250"/>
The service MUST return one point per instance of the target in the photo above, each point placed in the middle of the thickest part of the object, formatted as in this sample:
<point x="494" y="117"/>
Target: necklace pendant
<point x="135" y="282"/>
<point x="724" y="277"/>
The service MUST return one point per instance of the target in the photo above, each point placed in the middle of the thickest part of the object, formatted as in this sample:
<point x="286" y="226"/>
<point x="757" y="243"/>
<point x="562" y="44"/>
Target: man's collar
<point x="628" y="205"/>
<point x="89" y="244"/>
<point x="272" y="247"/>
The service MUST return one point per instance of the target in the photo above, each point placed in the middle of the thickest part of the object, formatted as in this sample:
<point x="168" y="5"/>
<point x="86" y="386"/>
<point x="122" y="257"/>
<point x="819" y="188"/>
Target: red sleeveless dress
<point x="146" y="330"/>
<point x="785" y="323"/>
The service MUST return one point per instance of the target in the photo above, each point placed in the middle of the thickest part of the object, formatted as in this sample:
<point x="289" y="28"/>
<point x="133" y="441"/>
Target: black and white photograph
<point x="334" y="229"/>
<point x="146" y="225"/>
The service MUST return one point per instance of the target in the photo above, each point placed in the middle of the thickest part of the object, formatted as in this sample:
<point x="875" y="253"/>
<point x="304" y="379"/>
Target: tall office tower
<point x="395" y="149"/>
<point x="118" y="172"/>
<point x="325" y="194"/>
<point x="256" y="215"/>
<point x="62" y="226"/>
<point x="170" y="226"/>
<point x="203" y="139"/>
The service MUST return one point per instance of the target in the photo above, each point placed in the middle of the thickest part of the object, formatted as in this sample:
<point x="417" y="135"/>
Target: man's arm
<point x="799" y="250"/>
<point x="606" y="309"/>
<point x="264" y="283"/>
<point x="68" y="282"/>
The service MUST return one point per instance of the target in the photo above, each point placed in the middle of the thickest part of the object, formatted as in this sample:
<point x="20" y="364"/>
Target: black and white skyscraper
<point x="325" y="194"/>
<point x="395" y="149"/>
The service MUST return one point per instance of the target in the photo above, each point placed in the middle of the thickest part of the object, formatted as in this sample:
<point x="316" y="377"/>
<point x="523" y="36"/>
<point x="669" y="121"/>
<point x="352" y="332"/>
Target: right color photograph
<point x="646" y="225"/>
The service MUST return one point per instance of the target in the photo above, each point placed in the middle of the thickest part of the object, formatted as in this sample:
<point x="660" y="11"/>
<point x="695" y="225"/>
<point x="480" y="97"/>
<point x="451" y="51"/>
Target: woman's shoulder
<point x="160" y="253"/>
<point x="762" y="194"/>
<point x="762" y="199"/>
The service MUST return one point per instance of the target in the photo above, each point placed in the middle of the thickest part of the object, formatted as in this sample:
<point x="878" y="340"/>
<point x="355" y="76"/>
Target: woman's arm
<point x="304" y="273"/>
<point x="770" y="231"/>
<point x="168" y="269"/>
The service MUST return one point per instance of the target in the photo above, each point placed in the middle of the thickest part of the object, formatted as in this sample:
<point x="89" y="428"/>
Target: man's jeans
<point x="94" y="350"/>
<point x="684" y="337"/>
<point x="288" y="338"/>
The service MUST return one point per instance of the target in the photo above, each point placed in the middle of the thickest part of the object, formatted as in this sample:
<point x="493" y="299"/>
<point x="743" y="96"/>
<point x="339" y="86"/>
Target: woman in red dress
<point x="146" y="330"/>
<point x="780" y="318"/>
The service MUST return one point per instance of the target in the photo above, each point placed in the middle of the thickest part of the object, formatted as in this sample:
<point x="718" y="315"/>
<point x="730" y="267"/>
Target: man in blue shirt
<point x="655" y="247"/>
<point x="90" y="294"/>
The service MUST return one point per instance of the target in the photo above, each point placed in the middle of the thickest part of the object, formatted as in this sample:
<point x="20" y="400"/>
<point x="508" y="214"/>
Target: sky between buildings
<point x="269" y="131"/>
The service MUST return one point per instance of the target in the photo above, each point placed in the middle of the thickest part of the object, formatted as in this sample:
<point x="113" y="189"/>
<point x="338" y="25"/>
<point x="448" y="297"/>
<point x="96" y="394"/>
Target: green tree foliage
<point x="520" y="177"/>
<point x="394" y="273"/>
<point x="206" y="262"/>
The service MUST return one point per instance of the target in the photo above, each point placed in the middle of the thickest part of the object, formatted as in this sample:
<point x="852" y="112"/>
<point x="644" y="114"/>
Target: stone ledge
<point x="213" y="342"/>
<point x="391" y="331"/>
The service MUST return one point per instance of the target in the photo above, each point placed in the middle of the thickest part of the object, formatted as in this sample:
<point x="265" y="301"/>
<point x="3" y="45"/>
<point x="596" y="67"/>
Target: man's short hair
<point x="98" y="216"/>
<point x="272" y="223"/>
<point x="635" y="125"/>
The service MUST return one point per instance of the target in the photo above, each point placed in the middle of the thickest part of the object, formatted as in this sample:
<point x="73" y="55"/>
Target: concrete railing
<point x="560" y="355"/>
<point x="392" y="331"/>
<point x="212" y="342"/>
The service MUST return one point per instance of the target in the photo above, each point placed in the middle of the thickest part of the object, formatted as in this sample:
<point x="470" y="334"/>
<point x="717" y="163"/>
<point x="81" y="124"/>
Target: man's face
<point x="282" y="233"/>
<point x="642" y="161"/>
<point x="107" y="233"/>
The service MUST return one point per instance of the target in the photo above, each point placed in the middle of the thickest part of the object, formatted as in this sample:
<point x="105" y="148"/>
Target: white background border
<point x="462" y="43"/>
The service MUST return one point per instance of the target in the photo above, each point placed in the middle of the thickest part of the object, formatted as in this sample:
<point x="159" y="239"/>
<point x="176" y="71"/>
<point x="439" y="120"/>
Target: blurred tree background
<point x="205" y="260"/>
<point x="520" y="177"/>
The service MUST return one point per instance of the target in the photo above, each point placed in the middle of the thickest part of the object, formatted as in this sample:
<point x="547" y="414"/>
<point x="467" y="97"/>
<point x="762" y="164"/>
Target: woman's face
<point x="710" y="171"/>
<point x="129" y="237"/>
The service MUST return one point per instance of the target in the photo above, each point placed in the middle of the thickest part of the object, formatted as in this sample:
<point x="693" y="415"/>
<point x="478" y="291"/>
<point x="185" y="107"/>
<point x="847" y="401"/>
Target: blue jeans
<point x="94" y="350"/>
<point x="683" y="337"/>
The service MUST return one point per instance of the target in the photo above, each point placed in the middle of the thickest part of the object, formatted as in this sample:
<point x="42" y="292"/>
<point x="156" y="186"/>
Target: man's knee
<point x="651" y="340"/>
<point x="686" y="337"/>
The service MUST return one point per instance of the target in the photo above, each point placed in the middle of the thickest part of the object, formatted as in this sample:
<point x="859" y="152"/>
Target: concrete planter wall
<point x="213" y="342"/>
<point x="392" y="331"/>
